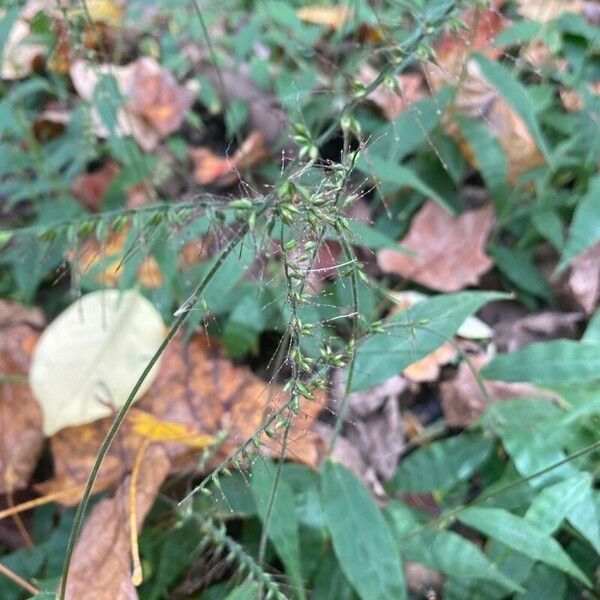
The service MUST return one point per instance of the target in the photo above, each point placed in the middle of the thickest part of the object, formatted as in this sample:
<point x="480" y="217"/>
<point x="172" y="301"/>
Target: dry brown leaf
<point x="428" y="368"/>
<point x="583" y="280"/>
<point x="19" y="54"/>
<point x="90" y="188"/>
<point x="51" y="122"/>
<point x="463" y="400"/>
<point x="572" y="100"/>
<point x="476" y="97"/>
<point x="221" y="171"/>
<point x="448" y="250"/>
<point x="392" y="102"/>
<point x="333" y="17"/>
<point x="155" y="107"/>
<point x="21" y="436"/>
<point x="93" y="252"/>
<point x="197" y="387"/>
<point x="545" y="11"/>
<point x="101" y="567"/>
<point x="512" y="334"/>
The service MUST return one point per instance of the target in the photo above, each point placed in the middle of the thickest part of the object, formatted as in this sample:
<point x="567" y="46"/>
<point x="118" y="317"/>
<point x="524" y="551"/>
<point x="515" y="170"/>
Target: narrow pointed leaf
<point x="361" y="538"/>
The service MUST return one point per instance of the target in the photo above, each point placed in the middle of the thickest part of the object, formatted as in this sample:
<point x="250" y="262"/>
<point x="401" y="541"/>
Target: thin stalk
<point x="116" y="424"/>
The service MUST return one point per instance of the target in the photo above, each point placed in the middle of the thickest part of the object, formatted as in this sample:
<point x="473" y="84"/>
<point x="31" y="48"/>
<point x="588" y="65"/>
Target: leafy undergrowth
<point x="299" y="300"/>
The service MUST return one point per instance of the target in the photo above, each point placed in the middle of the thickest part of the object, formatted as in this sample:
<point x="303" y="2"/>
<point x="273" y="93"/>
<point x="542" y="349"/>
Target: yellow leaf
<point x="333" y="17"/>
<point x="104" y="11"/>
<point x="156" y="430"/>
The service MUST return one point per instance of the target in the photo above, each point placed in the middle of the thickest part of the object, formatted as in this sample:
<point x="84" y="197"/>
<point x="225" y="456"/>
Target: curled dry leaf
<point x="155" y="106"/>
<point x="109" y="257"/>
<point x="222" y="171"/>
<point x="21" y="436"/>
<point x="89" y="358"/>
<point x="196" y="387"/>
<point x="476" y="97"/>
<point x="90" y="188"/>
<point x="20" y="53"/>
<point x="393" y="100"/>
<point x="581" y="285"/>
<point x="428" y="368"/>
<point x="334" y="17"/>
<point x="448" y="250"/>
<point x="101" y="566"/>
<point x="463" y="399"/>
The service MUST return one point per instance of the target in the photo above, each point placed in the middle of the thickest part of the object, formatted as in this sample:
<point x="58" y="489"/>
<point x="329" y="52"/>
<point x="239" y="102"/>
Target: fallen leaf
<point x="334" y="17"/>
<point x="512" y="334"/>
<point x="583" y="280"/>
<point x="463" y="401"/>
<point x="108" y="256"/>
<point x="101" y="564"/>
<point x="102" y="11"/>
<point x="448" y="250"/>
<point x="544" y="11"/>
<point x="155" y="106"/>
<point x="428" y="368"/>
<point x="476" y="97"/>
<point x="21" y="436"/>
<point x="393" y="100"/>
<point x="89" y="358"/>
<point x="20" y="53"/>
<point x="374" y="423"/>
<point x="90" y="188"/>
<point x="198" y="388"/>
<point x="51" y="122"/>
<point x="222" y="171"/>
<point x="572" y="100"/>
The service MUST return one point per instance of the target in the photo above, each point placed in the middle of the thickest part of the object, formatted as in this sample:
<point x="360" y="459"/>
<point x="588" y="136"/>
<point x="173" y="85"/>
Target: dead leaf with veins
<point x="197" y="392"/>
<point x="222" y="171"/>
<point x="448" y="251"/>
<point x="393" y="100"/>
<point x="21" y="435"/>
<point x="155" y="104"/>
<point x="106" y="553"/>
<point x="463" y="398"/>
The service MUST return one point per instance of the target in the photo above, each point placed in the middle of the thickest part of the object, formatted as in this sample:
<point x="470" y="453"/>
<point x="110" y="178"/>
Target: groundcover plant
<point x="299" y="300"/>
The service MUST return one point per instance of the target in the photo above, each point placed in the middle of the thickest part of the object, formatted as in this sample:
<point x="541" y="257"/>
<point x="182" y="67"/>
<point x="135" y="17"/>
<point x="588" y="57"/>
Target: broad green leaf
<point x="360" y="536"/>
<point x="457" y="557"/>
<point x="443" y="551"/>
<point x="559" y="361"/>
<point x="517" y="267"/>
<point x="89" y="358"/>
<point x="490" y="157"/>
<point x="371" y="237"/>
<point x="585" y="517"/>
<point x="592" y="332"/>
<point x="399" y="176"/>
<point x="585" y="227"/>
<point x="441" y="464"/>
<point x="540" y="581"/>
<point x="521" y="536"/>
<point x="413" y="334"/>
<point x="244" y="326"/>
<point x="516" y="95"/>
<point x="555" y="502"/>
<point x="283" y="523"/>
<point x="248" y="591"/>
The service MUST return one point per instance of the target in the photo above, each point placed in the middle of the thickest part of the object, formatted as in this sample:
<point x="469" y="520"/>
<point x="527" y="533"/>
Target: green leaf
<point x="517" y="267"/>
<point x="248" y="591"/>
<point x="592" y="331"/>
<point x="442" y="464"/>
<point x="542" y="579"/>
<point x="585" y="517"/>
<point x="489" y="156"/>
<point x="521" y="536"/>
<point x="413" y="334"/>
<point x="360" y="536"/>
<point x="559" y="361"/>
<point x="516" y="95"/>
<point x="554" y="502"/>
<point x="244" y="326"/>
<point x="283" y="524"/>
<point x="585" y="227"/>
<point x="443" y="551"/>
<point x="400" y="176"/>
